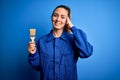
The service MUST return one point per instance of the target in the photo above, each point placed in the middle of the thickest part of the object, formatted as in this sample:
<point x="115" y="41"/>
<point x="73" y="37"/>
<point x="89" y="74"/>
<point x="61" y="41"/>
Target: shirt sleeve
<point x="34" y="60"/>
<point x="84" y="48"/>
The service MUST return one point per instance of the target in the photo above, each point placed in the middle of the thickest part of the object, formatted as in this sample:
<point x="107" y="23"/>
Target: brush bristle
<point x="32" y="31"/>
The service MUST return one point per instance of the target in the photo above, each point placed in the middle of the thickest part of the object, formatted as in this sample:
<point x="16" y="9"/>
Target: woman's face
<point x="59" y="18"/>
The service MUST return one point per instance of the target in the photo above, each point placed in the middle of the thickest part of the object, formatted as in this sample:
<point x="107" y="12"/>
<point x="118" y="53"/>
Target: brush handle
<point x="32" y="39"/>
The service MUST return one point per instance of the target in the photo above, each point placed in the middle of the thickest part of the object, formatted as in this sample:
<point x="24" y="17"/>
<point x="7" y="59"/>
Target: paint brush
<point x="32" y="34"/>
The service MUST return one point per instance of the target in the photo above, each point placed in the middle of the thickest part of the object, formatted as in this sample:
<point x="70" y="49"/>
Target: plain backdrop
<point x="99" y="19"/>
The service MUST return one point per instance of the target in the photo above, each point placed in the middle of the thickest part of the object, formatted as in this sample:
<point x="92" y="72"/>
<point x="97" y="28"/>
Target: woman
<point x="55" y="55"/>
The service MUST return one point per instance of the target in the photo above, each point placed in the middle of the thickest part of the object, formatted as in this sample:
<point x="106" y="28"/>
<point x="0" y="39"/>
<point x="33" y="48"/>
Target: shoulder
<point x="67" y="36"/>
<point x="43" y="38"/>
<point x="74" y="29"/>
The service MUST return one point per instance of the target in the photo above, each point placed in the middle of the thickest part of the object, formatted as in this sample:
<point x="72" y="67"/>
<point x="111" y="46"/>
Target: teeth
<point x="57" y="23"/>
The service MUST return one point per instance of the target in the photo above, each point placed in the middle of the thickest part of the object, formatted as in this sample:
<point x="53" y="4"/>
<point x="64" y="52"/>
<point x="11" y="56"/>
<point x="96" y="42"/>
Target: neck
<point x="57" y="33"/>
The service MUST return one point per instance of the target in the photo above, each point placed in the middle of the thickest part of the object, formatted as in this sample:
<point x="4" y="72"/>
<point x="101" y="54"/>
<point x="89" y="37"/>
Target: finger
<point x="31" y="44"/>
<point x="67" y="19"/>
<point x="69" y="22"/>
<point x="32" y="49"/>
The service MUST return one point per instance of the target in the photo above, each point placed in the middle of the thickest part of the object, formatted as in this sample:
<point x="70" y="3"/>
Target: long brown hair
<point x="69" y="15"/>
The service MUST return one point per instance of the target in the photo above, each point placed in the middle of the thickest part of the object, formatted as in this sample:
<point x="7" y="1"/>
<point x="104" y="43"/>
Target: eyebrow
<point x="61" y="15"/>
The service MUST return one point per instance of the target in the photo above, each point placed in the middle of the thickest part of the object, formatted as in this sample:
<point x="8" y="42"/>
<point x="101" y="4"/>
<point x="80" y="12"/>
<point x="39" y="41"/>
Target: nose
<point x="58" y="18"/>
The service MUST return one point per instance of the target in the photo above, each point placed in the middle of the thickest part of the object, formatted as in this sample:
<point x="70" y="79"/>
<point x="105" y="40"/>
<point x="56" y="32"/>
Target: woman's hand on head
<point x="31" y="47"/>
<point x="69" y="23"/>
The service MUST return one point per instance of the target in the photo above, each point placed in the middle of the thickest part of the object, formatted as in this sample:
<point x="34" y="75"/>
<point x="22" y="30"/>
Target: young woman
<point x="55" y="55"/>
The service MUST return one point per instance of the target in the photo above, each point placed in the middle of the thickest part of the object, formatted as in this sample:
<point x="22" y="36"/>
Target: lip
<point x="57" y="23"/>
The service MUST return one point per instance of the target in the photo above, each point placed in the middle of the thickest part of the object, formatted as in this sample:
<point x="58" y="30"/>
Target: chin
<point x="58" y="27"/>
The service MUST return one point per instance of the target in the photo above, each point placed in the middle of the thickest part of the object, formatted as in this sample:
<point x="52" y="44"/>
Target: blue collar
<point x="64" y="36"/>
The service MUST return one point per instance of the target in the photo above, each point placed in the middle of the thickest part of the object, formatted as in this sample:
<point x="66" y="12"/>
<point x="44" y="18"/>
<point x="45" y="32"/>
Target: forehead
<point x="61" y="11"/>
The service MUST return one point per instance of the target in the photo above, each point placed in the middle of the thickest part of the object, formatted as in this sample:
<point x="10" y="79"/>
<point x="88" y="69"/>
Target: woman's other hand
<point x="31" y="47"/>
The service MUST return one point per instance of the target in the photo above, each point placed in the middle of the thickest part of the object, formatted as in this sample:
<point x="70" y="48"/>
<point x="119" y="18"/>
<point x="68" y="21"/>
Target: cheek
<point x="64" y="21"/>
<point x="53" y="18"/>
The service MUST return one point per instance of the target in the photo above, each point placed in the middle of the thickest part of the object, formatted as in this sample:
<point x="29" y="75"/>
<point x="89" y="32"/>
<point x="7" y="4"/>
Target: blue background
<point x="100" y="19"/>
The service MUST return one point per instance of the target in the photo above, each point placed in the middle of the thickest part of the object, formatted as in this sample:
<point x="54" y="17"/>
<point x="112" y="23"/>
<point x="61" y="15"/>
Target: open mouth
<point x="57" y="23"/>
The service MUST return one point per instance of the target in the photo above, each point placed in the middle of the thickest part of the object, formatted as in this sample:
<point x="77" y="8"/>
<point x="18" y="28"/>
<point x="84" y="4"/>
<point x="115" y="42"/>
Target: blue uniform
<point x="56" y="58"/>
